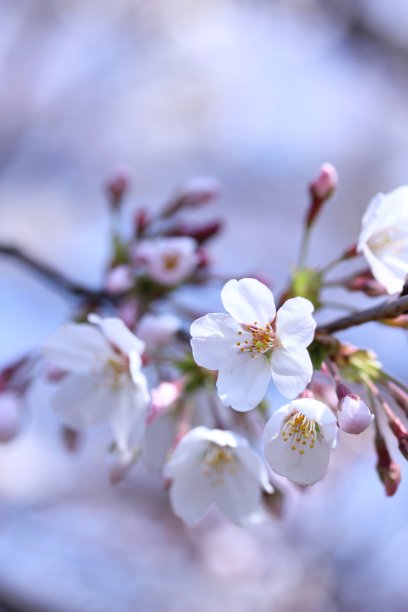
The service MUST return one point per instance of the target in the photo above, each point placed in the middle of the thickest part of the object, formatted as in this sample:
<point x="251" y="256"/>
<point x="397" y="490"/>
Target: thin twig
<point x="55" y="278"/>
<point x="385" y="310"/>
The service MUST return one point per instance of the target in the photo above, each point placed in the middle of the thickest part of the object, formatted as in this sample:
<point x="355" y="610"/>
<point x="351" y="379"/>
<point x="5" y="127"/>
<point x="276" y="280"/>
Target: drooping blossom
<point x="104" y="380"/>
<point x="169" y="261"/>
<point x="298" y="440"/>
<point x="215" y="467"/>
<point x="157" y="330"/>
<point x="383" y="238"/>
<point x="254" y="343"/>
<point x="353" y="414"/>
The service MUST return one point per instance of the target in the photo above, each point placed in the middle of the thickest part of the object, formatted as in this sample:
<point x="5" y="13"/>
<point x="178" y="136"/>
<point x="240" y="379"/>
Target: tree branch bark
<point x="386" y="310"/>
<point x="55" y="278"/>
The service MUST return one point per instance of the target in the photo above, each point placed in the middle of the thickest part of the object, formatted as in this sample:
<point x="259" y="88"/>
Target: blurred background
<point x="257" y="93"/>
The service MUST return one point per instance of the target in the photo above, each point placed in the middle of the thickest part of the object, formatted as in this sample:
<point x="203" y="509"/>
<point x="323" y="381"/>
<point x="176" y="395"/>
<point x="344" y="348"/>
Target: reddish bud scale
<point x="200" y="233"/>
<point x="388" y="470"/>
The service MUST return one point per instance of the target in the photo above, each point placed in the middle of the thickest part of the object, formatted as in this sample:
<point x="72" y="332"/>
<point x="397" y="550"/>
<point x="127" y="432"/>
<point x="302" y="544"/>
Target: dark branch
<point x="55" y="278"/>
<point x="386" y="310"/>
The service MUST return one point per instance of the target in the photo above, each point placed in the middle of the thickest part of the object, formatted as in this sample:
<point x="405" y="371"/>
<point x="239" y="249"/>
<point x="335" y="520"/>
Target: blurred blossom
<point x="120" y="462"/>
<point x="298" y="440"/>
<point x="117" y="186"/>
<point x="383" y="238"/>
<point x="105" y="381"/>
<point x="157" y="330"/>
<point x="169" y="261"/>
<point x="215" y="467"/>
<point x="254" y="343"/>
<point x="119" y="279"/>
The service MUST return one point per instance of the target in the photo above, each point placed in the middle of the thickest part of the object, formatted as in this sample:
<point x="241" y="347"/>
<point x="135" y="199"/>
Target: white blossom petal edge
<point x="104" y="380"/>
<point x="215" y="467"/>
<point x="253" y="344"/>
<point x="298" y="439"/>
<point x="383" y="238"/>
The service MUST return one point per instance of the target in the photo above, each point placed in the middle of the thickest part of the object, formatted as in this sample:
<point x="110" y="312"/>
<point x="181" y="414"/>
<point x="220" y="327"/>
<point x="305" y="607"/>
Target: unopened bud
<point x="142" y="220"/>
<point x="321" y="189"/>
<point x="200" y="233"/>
<point x="196" y="192"/>
<point x="388" y="470"/>
<point x="117" y="186"/>
<point x="353" y="415"/>
<point x="364" y="282"/>
<point x="119" y="279"/>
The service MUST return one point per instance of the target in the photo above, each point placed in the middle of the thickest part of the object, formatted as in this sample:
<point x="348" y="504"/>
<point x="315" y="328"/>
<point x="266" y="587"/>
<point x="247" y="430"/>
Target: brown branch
<point x="385" y="310"/>
<point x="55" y="278"/>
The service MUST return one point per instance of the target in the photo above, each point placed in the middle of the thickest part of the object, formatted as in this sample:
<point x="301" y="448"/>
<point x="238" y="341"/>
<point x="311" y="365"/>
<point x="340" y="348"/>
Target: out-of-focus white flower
<point x="104" y="380"/>
<point x="353" y="415"/>
<point x="168" y="261"/>
<point x="298" y="439"/>
<point x="157" y="330"/>
<point x="119" y="279"/>
<point x="383" y="238"/>
<point x="253" y="343"/>
<point x="11" y="409"/>
<point x="211" y="466"/>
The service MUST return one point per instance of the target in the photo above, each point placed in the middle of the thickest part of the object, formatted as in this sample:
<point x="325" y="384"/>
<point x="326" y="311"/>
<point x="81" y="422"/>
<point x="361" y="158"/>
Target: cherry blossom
<point x="254" y="343"/>
<point x="216" y="467"/>
<point x="104" y="381"/>
<point x="383" y="238"/>
<point x="168" y="261"/>
<point x="157" y="330"/>
<point x="298" y="440"/>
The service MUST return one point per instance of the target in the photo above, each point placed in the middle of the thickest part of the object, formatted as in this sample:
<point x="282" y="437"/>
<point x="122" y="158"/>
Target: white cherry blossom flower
<point x="104" y="381"/>
<point x="383" y="238"/>
<point x="168" y="261"/>
<point x="298" y="440"/>
<point x="215" y="467"/>
<point x="254" y="343"/>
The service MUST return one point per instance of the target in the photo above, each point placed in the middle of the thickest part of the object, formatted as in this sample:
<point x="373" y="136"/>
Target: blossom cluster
<point x="189" y="396"/>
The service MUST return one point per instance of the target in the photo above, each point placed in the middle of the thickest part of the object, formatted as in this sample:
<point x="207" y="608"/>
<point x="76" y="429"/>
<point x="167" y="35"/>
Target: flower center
<point x="262" y="339"/>
<point x="219" y="460"/>
<point x="171" y="261"/>
<point x="118" y="372"/>
<point x="300" y="431"/>
<point x="390" y="238"/>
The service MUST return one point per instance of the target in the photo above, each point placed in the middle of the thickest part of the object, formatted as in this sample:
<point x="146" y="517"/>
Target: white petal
<point x="191" y="447"/>
<point x="370" y="219"/>
<point x="312" y="465"/>
<point x="248" y="301"/>
<point x="391" y="282"/>
<point x="291" y="371"/>
<point x="191" y="493"/>
<point x="295" y="325"/>
<point x="118" y="334"/>
<point x="84" y="400"/>
<point x="77" y="348"/>
<point x="238" y="495"/>
<point x="253" y="465"/>
<point x="128" y="416"/>
<point x="243" y="383"/>
<point x="215" y="338"/>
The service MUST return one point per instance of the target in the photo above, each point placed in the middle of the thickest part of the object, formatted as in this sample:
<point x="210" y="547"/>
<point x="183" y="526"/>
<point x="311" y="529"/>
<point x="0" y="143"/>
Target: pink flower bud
<point x="10" y="415"/>
<point x="197" y="192"/>
<point x="325" y="183"/>
<point x="117" y="186"/>
<point x="321" y="189"/>
<point x="354" y="416"/>
<point x="157" y="330"/>
<point x="119" y="279"/>
<point x="201" y="233"/>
